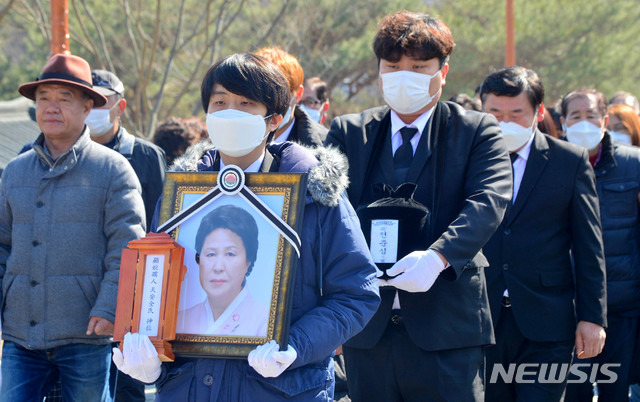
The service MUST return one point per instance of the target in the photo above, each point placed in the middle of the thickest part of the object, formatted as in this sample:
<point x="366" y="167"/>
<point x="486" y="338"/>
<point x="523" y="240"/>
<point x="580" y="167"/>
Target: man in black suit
<point x="536" y="297"/>
<point x="426" y="340"/>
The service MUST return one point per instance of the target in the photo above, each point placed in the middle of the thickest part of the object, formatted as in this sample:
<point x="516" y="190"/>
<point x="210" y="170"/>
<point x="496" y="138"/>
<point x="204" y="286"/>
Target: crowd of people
<point x="522" y="284"/>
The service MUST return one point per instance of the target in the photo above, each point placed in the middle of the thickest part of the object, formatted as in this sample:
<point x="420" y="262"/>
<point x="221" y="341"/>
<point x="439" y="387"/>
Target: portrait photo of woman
<point x="226" y="246"/>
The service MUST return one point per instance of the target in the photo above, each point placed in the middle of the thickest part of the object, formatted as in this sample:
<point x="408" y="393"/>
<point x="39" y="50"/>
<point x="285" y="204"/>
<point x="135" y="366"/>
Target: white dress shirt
<point x="519" y="165"/>
<point x="397" y="124"/>
<point x="253" y="168"/>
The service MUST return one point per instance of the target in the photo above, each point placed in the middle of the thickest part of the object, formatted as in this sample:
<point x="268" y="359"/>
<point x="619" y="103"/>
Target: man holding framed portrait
<point x="335" y="289"/>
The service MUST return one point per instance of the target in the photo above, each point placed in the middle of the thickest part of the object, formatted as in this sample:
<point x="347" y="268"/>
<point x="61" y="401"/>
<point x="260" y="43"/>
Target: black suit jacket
<point x="472" y="185"/>
<point x="306" y="131"/>
<point x="555" y="215"/>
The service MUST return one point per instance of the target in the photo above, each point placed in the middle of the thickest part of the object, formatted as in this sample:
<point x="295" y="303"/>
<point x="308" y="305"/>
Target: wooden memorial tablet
<point x="151" y="270"/>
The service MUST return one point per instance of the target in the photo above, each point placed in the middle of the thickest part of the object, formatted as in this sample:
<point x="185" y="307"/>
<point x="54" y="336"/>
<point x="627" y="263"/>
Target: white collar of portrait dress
<point x="213" y="326"/>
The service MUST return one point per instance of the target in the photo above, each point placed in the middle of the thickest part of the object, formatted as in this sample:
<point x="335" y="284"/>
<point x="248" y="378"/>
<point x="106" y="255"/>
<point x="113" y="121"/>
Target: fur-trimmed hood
<point x="327" y="167"/>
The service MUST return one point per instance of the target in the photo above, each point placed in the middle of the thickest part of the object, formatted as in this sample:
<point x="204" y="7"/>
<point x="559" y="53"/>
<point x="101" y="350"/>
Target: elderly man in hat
<point x="68" y="207"/>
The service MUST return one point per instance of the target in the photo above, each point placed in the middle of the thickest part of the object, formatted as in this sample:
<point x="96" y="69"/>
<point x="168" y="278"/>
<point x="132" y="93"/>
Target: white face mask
<point x="516" y="135"/>
<point x="287" y="116"/>
<point x="620" y="138"/>
<point x="584" y="133"/>
<point x="313" y="113"/>
<point x="236" y="133"/>
<point x="407" y="91"/>
<point x="99" y="121"/>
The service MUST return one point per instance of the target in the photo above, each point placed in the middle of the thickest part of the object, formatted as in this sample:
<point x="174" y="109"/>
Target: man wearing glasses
<point x="315" y="100"/>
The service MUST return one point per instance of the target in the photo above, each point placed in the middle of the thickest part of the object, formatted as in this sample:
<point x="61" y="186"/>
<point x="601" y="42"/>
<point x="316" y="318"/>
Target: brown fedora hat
<point x="65" y="69"/>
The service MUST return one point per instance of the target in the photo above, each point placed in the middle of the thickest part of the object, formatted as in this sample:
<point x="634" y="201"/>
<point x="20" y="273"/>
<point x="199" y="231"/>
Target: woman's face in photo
<point x="223" y="265"/>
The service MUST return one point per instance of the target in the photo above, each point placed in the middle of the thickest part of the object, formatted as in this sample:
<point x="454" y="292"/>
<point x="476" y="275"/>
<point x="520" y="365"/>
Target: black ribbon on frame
<point x="231" y="181"/>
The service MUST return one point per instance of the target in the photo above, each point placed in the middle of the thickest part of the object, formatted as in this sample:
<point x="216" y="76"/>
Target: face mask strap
<point x="113" y="107"/>
<point x="270" y="134"/>
<point x="535" y="120"/>
<point x="436" y="94"/>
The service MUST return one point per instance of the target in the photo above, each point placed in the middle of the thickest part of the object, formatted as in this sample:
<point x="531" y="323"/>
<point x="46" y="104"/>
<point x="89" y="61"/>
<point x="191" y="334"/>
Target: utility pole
<point x="510" y="51"/>
<point x="59" y="27"/>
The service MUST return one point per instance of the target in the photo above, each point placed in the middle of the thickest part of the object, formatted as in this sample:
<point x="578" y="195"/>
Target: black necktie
<point x="513" y="156"/>
<point x="404" y="154"/>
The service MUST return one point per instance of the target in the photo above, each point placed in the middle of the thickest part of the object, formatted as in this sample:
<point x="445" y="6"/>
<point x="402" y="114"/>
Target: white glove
<point x="415" y="272"/>
<point x="268" y="361"/>
<point x="140" y="359"/>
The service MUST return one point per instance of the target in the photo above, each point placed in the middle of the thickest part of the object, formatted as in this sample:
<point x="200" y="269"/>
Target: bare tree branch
<point x="39" y="17"/>
<point x="147" y="67"/>
<point x="140" y="92"/>
<point x="274" y="23"/>
<point x="134" y="43"/>
<point x="79" y="38"/>
<point x="105" y="53"/>
<point x="197" y="30"/>
<point x="172" y="54"/>
<point x="91" y="46"/>
<point x="203" y="54"/>
<point x="139" y="29"/>
<point x="127" y="118"/>
<point x="152" y="55"/>
<point x="5" y="10"/>
<point x="211" y="49"/>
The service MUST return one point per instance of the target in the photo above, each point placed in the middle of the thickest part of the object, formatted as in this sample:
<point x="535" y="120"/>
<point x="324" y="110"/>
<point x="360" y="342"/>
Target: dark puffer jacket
<point x="335" y="292"/>
<point x="618" y="184"/>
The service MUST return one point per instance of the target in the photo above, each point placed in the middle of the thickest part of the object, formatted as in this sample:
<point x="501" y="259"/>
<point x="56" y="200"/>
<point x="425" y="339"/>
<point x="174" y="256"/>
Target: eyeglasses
<point x="311" y="102"/>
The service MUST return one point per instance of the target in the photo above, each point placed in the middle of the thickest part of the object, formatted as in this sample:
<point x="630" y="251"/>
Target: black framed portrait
<point x="239" y="232"/>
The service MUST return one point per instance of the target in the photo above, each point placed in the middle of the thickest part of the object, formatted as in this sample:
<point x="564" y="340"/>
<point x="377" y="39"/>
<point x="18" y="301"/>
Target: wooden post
<point x="510" y="52"/>
<point x="59" y="27"/>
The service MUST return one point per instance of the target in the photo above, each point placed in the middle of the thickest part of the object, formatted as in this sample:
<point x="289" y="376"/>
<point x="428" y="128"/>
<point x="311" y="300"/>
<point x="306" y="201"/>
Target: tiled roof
<point x="16" y="128"/>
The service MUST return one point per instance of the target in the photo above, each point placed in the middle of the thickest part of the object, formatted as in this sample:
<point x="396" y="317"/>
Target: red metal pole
<point x="59" y="27"/>
<point x="510" y="53"/>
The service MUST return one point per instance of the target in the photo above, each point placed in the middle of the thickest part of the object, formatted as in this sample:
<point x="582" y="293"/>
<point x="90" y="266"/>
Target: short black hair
<point x="626" y="98"/>
<point x="416" y="35"/>
<point x="319" y="87"/>
<point x="174" y="135"/>
<point x="466" y="102"/>
<point x="251" y="76"/>
<point x="235" y="219"/>
<point x="512" y="81"/>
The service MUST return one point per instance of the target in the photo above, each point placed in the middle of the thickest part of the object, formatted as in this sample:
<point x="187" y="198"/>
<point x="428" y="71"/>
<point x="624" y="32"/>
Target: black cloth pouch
<point x="394" y="210"/>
